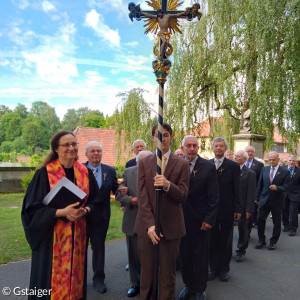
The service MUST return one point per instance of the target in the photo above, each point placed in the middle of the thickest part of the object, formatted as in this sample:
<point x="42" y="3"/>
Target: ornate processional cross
<point x="162" y="21"/>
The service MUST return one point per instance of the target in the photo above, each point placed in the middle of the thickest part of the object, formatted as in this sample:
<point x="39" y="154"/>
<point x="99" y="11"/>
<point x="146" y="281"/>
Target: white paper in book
<point x="67" y="184"/>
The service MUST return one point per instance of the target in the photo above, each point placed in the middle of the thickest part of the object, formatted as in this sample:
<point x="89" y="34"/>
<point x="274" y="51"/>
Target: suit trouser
<point x="286" y="212"/>
<point x="97" y="236"/>
<point x="133" y="260"/>
<point x="221" y="237"/>
<point x="243" y="240"/>
<point x="194" y="249"/>
<point x="253" y="219"/>
<point x="263" y="212"/>
<point x="293" y="220"/>
<point x="168" y="252"/>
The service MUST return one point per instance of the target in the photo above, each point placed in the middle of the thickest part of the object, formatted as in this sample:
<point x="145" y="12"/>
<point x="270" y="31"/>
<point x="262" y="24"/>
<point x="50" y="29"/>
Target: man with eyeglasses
<point x="137" y="146"/>
<point x="272" y="184"/>
<point x="107" y="182"/>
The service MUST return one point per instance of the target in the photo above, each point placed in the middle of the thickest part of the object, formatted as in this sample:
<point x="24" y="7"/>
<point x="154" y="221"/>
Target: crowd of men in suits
<point x="201" y="200"/>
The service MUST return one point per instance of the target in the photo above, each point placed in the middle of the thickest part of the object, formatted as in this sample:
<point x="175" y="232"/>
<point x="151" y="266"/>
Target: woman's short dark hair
<point x="164" y="125"/>
<point x="54" y="143"/>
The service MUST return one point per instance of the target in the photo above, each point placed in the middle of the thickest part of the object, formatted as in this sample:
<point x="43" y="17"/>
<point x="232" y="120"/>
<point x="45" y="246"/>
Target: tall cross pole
<point x="162" y="21"/>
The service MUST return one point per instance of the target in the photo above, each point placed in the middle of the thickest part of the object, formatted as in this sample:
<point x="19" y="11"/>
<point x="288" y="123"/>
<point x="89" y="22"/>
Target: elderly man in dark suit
<point x="255" y="166"/>
<point x="137" y="146"/>
<point x="293" y="195"/>
<point x="175" y="182"/>
<point x="221" y="235"/>
<point x="291" y="167"/>
<point x="127" y="196"/>
<point x="107" y="183"/>
<point x="200" y="212"/>
<point x="272" y="184"/>
<point x="247" y="186"/>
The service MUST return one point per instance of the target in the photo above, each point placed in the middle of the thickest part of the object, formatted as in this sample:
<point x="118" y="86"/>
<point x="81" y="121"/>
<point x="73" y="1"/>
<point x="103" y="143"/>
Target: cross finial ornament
<point x="163" y="21"/>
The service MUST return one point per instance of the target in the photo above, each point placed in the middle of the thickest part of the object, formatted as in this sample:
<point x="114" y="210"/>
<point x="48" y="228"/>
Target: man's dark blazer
<point x="130" y="212"/>
<point x="294" y="189"/>
<point x="203" y="198"/>
<point x="172" y="222"/>
<point x="248" y="186"/>
<point x="109" y="183"/>
<point x="229" y="190"/>
<point x="256" y="167"/>
<point x="130" y="163"/>
<point x="281" y="180"/>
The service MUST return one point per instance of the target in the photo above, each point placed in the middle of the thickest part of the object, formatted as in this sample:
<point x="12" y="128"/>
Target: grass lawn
<point x="13" y="244"/>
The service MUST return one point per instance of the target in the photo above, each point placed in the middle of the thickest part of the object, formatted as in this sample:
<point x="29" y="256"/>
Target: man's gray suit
<point x="130" y="212"/>
<point x="247" y="186"/>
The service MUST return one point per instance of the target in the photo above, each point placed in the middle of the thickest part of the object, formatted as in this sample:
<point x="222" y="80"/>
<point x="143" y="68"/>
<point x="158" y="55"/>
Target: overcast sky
<point x="73" y="53"/>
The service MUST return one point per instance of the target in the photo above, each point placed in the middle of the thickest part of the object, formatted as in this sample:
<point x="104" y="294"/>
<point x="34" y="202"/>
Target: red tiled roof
<point x="277" y="137"/>
<point x="23" y="158"/>
<point x="203" y="129"/>
<point x="106" y="137"/>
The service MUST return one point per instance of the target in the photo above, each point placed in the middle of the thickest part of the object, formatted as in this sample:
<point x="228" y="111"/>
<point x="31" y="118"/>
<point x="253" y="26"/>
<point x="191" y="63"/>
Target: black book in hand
<point x="63" y="194"/>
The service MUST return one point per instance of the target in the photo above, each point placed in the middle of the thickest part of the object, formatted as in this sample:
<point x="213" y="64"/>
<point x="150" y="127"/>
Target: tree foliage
<point x="11" y="126"/>
<point x="47" y="116"/>
<point x="241" y="55"/>
<point x="133" y="119"/>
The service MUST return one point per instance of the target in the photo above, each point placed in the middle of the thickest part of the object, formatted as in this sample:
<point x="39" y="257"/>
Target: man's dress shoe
<point x="201" y="296"/>
<point x="224" y="277"/>
<point x="292" y="233"/>
<point x="185" y="294"/>
<point x="212" y="275"/>
<point x="133" y="291"/>
<point x="285" y="229"/>
<point x="239" y="257"/>
<point x="260" y="244"/>
<point x="100" y="287"/>
<point x="272" y="246"/>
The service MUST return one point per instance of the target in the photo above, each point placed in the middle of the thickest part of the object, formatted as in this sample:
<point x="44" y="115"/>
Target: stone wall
<point x="10" y="178"/>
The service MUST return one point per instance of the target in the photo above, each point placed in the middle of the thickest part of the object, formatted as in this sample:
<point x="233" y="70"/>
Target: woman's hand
<point x="68" y="210"/>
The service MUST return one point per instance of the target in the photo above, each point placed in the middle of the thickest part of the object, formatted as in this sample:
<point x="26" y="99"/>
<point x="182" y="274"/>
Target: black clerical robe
<point x="39" y="221"/>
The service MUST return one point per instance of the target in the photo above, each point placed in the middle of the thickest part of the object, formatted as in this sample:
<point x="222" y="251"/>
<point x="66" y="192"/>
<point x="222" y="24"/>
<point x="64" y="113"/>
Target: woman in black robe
<point x="40" y="221"/>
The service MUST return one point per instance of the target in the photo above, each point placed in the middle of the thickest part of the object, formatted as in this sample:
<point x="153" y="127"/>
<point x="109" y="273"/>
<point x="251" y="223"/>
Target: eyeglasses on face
<point x="68" y="145"/>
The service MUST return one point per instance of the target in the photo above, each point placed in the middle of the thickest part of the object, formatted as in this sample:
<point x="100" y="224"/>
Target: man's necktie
<point x="218" y="164"/>
<point x="271" y="174"/>
<point x="163" y="164"/>
<point x="95" y="172"/>
<point x="291" y="172"/>
<point x="248" y="164"/>
<point x="191" y="167"/>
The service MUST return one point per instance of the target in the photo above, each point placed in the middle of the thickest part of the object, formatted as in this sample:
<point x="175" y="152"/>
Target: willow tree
<point x="132" y="120"/>
<point x="242" y="55"/>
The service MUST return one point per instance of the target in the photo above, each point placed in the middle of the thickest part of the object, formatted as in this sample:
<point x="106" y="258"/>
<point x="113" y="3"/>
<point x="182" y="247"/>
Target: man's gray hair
<point x="93" y="143"/>
<point x="142" y="154"/>
<point x="250" y="146"/>
<point x="245" y="154"/>
<point x="292" y="156"/>
<point x="189" y="136"/>
<point x="272" y="152"/>
<point x="219" y="139"/>
<point x="136" y="141"/>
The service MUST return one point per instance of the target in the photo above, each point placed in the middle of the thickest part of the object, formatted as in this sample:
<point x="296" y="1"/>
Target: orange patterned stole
<point x="68" y="260"/>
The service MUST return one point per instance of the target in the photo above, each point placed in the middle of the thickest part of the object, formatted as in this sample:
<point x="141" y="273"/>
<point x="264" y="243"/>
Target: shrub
<point x="27" y="179"/>
<point x="119" y="170"/>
